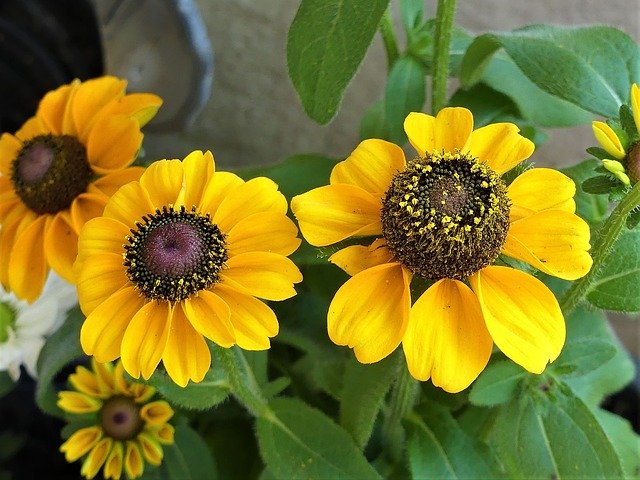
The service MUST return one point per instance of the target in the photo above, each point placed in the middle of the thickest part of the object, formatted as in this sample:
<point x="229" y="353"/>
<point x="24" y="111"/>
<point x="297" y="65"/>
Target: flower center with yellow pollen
<point x="120" y="418"/>
<point x="50" y="171"/>
<point x="446" y="216"/>
<point x="172" y="255"/>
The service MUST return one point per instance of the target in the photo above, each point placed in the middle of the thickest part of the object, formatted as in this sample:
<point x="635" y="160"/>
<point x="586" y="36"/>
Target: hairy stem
<point x="444" y="25"/>
<point x="403" y="397"/>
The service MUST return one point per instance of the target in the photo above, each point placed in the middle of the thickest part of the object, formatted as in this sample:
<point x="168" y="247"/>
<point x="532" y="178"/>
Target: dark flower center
<point x="174" y="254"/>
<point x="446" y="216"/>
<point x="120" y="418"/>
<point x="50" y="171"/>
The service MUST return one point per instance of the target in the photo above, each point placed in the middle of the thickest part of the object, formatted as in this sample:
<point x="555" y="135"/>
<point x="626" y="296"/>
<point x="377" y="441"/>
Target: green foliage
<point x="293" y="447"/>
<point x="404" y="93"/>
<point x="583" y="355"/>
<point x="600" y="184"/>
<point x="497" y="384"/>
<point x="592" y="208"/>
<point x="625" y="441"/>
<point x="591" y="67"/>
<point x="60" y="349"/>
<point x="325" y="47"/>
<point x="6" y="384"/>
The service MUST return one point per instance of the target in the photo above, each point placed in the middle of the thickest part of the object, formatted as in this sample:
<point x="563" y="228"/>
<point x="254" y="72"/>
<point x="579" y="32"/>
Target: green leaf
<point x="553" y="436"/>
<point x="326" y="43"/>
<point x="627" y="122"/>
<point x="611" y="375"/>
<point x="582" y="356"/>
<point x="600" y="184"/>
<point x="593" y="208"/>
<point x="633" y="219"/>
<point x="61" y="348"/>
<point x="300" y="442"/>
<point x="497" y="384"/>
<point x="363" y="392"/>
<point x="6" y="384"/>
<point x="617" y="285"/>
<point x="374" y="122"/>
<point x="404" y="93"/>
<point x="591" y="67"/>
<point x="438" y="448"/>
<point x="213" y="389"/>
<point x="625" y="441"/>
<point x="599" y="153"/>
<point x="411" y="12"/>
<point x="486" y="104"/>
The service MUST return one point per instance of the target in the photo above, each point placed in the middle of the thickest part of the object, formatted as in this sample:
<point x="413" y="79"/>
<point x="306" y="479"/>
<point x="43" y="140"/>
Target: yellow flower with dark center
<point x="130" y="428"/>
<point x="625" y="162"/>
<point x="59" y="170"/>
<point x="446" y="216"/>
<point x="181" y="255"/>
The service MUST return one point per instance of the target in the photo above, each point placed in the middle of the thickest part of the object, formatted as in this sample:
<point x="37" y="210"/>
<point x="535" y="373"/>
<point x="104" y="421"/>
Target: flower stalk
<point x="606" y="236"/>
<point x="444" y="25"/>
<point x="403" y="397"/>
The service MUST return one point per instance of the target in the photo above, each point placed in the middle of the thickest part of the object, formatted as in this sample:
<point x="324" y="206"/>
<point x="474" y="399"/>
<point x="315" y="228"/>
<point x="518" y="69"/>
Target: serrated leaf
<point x="363" y="391"/>
<point x="300" y="442"/>
<point x="553" y="436"/>
<point x="582" y="356"/>
<point x="405" y="92"/>
<point x="633" y="219"/>
<point x="625" y="441"/>
<point x="617" y="284"/>
<point x="627" y="122"/>
<point x="327" y="41"/>
<point x="60" y="348"/>
<point x="601" y="184"/>
<point x="591" y="67"/>
<point x="497" y="384"/>
<point x="438" y="448"/>
<point x="599" y="153"/>
<point x="213" y="389"/>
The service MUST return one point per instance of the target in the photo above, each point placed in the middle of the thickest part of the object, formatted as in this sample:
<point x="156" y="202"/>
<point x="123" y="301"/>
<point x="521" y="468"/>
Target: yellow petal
<point x="104" y="377"/>
<point x="80" y="442"/>
<point x="263" y="232"/>
<point x="96" y="458"/>
<point x="120" y="384"/>
<point x="113" y="143"/>
<point x="77" y="402"/>
<point x="263" y="275"/>
<point x="140" y="106"/>
<point x="635" y="104"/>
<point x="253" y="321"/>
<point x="257" y="195"/>
<point x="14" y="223"/>
<point x="85" y="381"/>
<point x="521" y="314"/>
<point x="608" y="140"/>
<point x="54" y="107"/>
<point x="448" y="131"/>
<point x="102" y="235"/>
<point x="541" y="189"/>
<point x="186" y="354"/>
<point x="103" y="329"/>
<point x="210" y="316"/>
<point x="30" y="129"/>
<point x="198" y="169"/>
<point x="500" y="146"/>
<point x="100" y="277"/>
<point x="446" y="339"/>
<point x="110" y="183"/>
<point x="87" y="206"/>
<point x="145" y="339"/>
<point x="371" y="166"/>
<point x="217" y="188"/>
<point x="90" y="98"/>
<point x="113" y="464"/>
<point x="129" y="204"/>
<point x="27" y="262"/>
<point x="369" y="313"/>
<point x="61" y="247"/>
<point x="133" y="461"/>
<point x="141" y="393"/>
<point x="151" y="449"/>
<point x="156" y="413"/>
<point x="421" y="132"/>
<point x="9" y="148"/>
<point x="164" y="434"/>
<point x="163" y="181"/>
<point x="553" y="241"/>
<point x="357" y="258"/>
<point x="333" y="213"/>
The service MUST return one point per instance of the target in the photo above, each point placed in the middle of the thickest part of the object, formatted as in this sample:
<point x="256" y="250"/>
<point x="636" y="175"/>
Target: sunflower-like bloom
<point x="58" y="171"/>
<point x="445" y="217"/>
<point x="625" y="152"/>
<point x="180" y="255"/>
<point x="130" y="427"/>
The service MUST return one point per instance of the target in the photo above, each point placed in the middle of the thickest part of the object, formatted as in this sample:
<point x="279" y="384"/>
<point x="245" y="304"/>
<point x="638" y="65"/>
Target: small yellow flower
<point x="130" y="428"/>
<point x="180" y="255"/>
<point x="625" y="163"/>
<point x="58" y="171"/>
<point x="446" y="216"/>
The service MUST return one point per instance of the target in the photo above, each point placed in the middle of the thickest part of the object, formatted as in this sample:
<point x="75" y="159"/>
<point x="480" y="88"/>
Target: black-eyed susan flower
<point x="181" y="255"/>
<point x="130" y="427"/>
<point x="624" y="163"/>
<point x="445" y="217"/>
<point x="58" y="171"/>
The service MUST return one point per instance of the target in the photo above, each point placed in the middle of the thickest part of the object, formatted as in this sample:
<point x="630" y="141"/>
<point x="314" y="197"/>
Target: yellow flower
<point x="625" y="164"/>
<point x="445" y="217"/>
<point x="130" y="428"/>
<point x="59" y="170"/>
<point x="179" y="255"/>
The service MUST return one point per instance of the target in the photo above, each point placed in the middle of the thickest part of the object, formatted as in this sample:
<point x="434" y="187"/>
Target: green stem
<point x="440" y="73"/>
<point x="243" y="383"/>
<point x="403" y="397"/>
<point x="606" y="235"/>
<point x="389" y="39"/>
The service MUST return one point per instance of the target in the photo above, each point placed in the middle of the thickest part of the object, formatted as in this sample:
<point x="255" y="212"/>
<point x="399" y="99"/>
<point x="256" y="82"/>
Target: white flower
<point x="24" y="327"/>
